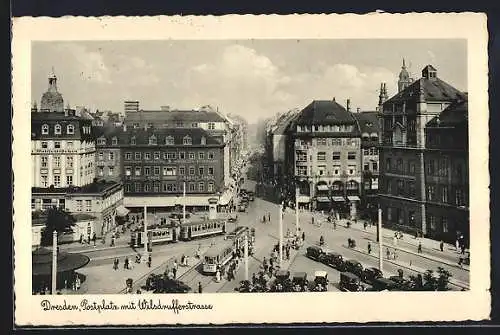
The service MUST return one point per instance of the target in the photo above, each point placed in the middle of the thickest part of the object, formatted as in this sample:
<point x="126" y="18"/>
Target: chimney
<point x="348" y="105"/>
<point x="333" y="99"/>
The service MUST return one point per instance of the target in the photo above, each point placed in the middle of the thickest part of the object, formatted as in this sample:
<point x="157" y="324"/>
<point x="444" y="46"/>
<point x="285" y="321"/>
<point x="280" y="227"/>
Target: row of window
<point x="153" y="140"/>
<point x="88" y="205"/>
<point x="321" y="156"/>
<point x="178" y="124"/>
<point x="400" y="166"/>
<point x="374" y="166"/>
<point x="437" y="224"/>
<point x="344" y="128"/>
<point x="322" y="170"/>
<point x="56" y="180"/>
<point x="168" y="171"/>
<point x="57" y="145"/>
<point x="70" y="129"/>
<point x="57" y="160"/>
<point x="440" y="193"/>
<point x="371" y="151"/>
<point x="166" y="155"/>
<point x="405" y="188"/>
<point x="169" y="187"/>
<point x="329" y="141"/>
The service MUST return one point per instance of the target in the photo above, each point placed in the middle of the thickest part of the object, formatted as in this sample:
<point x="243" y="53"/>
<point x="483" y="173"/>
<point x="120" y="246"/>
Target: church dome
<point x="52" y="100"/>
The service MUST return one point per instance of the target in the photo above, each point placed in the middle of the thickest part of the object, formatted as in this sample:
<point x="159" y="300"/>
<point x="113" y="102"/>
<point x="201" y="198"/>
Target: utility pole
<point x="380" y="244"/>
<point x="246" y="256"/>
<point x="183" y="201"/>
<point x="54" y="262"/>
<point x="280" y="216"/>
<point x="297" y="211"/>
<point x="145" y="252"/>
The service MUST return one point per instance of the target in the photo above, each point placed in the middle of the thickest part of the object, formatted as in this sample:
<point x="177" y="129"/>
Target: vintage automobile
<point x="245" y="287"/>
<point x="401" y="284"/>
<point x="371" y="274"/>
<point x="350" y="282"/>
<point x="282" y="283"/>
<point x="299" y="281"/>
<point x="383" y="284"/>
<point x="320" y="283"/>
<point x="354" y="267"/>
<point x="333" y="259"/>
<point x="314" y="252"/>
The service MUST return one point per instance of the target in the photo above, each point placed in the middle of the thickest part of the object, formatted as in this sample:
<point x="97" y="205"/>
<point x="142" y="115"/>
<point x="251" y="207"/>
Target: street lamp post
<point x="297" y="211"/>
<point x="54" y="262"/>
<point x="380" y="244"/>
<point x="183" y="201"/>
<point x="145" y="252"/>
<point x="280" y="220"/>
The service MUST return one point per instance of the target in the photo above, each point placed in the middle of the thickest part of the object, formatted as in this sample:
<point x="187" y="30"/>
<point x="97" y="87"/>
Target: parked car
<point x="299" y="281"/>
<point x="333" y="259"/>
<point x="354" y="267"/>
<point x="314" y="252"/>
<point x="401" y="284"/>
<point x="282" y="283"/>
<point x="383" y="284"/>
<point x="371" y="274"/>
<point x="350" y="282"/>
<point x="320" y="281"/>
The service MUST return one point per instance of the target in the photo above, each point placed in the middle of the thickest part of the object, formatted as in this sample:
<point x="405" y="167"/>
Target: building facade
<point x="402" y="187"/>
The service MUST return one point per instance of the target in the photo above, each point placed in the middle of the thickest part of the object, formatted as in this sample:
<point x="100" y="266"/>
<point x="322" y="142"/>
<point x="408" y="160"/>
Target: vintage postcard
<point x="250" y="169"/>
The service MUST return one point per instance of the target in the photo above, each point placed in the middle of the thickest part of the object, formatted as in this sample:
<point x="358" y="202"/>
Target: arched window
<point x="70" y="129"/>
<point x="114" y="140"/>
<point x="169" y="140"/>
<point x="187" y="140"/>
<point x="152" y="140"/>
<point x="45" y="129"/>
<point x="57" y="129"/>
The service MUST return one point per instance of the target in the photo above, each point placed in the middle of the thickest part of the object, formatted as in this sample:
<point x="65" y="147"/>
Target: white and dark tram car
<point x="217" y="257"/>
<point x="201" y="229"/>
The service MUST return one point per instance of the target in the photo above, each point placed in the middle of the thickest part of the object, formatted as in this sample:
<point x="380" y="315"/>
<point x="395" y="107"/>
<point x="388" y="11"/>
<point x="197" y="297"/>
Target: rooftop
<point x="174" y="115"/>
<point x="100" y="186"/>
<point x="368" y="122"/>
<point x="453" y="115"/>
<point x="324" y="112"/>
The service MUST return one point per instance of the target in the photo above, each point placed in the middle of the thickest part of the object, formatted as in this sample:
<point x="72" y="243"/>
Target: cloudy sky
<point x="252" y="78"/>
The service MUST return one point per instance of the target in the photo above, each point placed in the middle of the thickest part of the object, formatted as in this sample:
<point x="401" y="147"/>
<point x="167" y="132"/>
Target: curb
<point x="452" y="281"/>
<point x="95" y="249"/>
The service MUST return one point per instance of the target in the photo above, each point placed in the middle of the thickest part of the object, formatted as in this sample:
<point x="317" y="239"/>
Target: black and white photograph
<point x="308" y="168"/>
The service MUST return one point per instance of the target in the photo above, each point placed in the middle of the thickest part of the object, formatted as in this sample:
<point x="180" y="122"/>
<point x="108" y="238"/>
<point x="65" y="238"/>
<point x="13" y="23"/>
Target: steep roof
<point x="368" y="122"/>
<point x="174" y="115"/>
<point x="285" y="121"/>
<point x="324" y="112"/>
<point x="432" y="89"/>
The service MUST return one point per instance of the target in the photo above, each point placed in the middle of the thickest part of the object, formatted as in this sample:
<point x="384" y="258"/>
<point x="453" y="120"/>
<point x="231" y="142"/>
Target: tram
<point x="156" y="234"/>
<point x="238" y="238"/>
<point x="200" y="229"/>
<point x="217" y="257"/>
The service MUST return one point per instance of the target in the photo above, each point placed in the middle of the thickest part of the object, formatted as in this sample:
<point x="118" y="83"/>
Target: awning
<point x="322" y="199"/>
<point x="303" y="199"/>
<point x="322" y="187"/>
<point x="121" y="211"/>
<point x="225" y="198"/>
<point x="353" y="198"/>
<point x="338" y="199"/>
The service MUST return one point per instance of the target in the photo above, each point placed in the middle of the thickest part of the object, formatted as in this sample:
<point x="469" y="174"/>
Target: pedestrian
<point x="462" y="249"/>
<point x="364" y="225"/>
<point x="113" y="240"/>
<point x="94" y="238"/>
<point x="388" y="253"/>
<point x="263" y="218"/>
<point x="125" y="264"/>
<point x="287" y="254"/>
<point x="175" y="264"/>
<point x="303" y="236"/>
<point x="81" y="238"/>
<point x="441" y="245"/>
<point x="419" y="247"/>
<point x="460" y="262"/>
<point x="312" y="220"/>
<point x="269" y="217"/>
<point x="183" y="260"/>
<point x="217" y="276"/>
<point x="200" y="290"/>
<point x="149" y="261"/>
<point x="394" y="240"/>
<point x="174" y="272"/>
<point x="394" y="255"/>
<point x="369" y="248"/>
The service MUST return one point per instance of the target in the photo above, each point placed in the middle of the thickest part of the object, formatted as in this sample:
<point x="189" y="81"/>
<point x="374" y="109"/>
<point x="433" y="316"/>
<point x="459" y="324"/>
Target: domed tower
<point x="404" y="78"/>
<point x="52" y="100"/>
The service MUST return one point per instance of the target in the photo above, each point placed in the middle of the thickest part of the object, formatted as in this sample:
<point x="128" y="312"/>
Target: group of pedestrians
<point x="266" y="218"/>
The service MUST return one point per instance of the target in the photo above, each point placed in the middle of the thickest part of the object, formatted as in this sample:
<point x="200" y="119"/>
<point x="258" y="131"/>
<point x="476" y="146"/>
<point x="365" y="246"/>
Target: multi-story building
<point x="108" y="153"/>
<point x="402" y="186"/>
<point x="63" y="164"/>
<point x="326" y="160"/>
<point x="131" y="107"/>
<point x="446" y="173"/>
<point x="155" y="164"/>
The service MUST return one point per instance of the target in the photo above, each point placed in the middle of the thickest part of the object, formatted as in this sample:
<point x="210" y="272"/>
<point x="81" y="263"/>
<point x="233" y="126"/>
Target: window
<point x="192" y="155"/>
<point x="156" y="155"/>
<point x="203" y="140"/>
<point x="57" y="145"/>
<point x="431" y="192"/>
<point x="321" y="156"/>
<point x="412" y="167"/>
<point x="211" y="125"/>
<point x="147" y="170"/>
<point x="101" y="141"/>
<point x="366" y="152"/>
<point x="147" y="156"/>
<point x="321" y="170"/>
<point x="201" y="155"/>
<point x="432" y="222"/>
<point x="88" y="205"/>
<point x="301" y="156"/>
<point x="210" y="171"/>
<point x="111" y="156"/>
<point x="211" y="155"/>
<point x="352" y="185"/>
<point x="459" y="197"/>
<point x="79" y="205"/>
<point x="44" y="181"/>
<point x="156" y="187"/>
<point x="366" y="167"/>
<point x="400" y="187"/>
<point x="137" y="187"/>
<point x="399" y="165"/>
<point x="336" y="141"/>
<point x="156" y="170"/>
<point x="336" y="155"/>
<point x="100" y="171"/>
<point x="182" y="170"/>
<point x="69" y="180"/>
<point x="70" y="129"/>
<point x="351" y="169"/>
<point x="373" y="151"/>
<point x="169" y="140"/>
<point x="336" y="170"/>
<point x="316" y="128"/>
<point x="137" y="171"/>
<point x="152" y="140"/>
<point x="57" y="181"/>
<point x="388" y="164"/>
<point x="127" y="188"/>
<point x="201" y="186"/>
<point x="128" y="171"/>
<point x="201" y="171"/>
<point x="389" y="186"/>
<point x="147" y="187"/>
<point x="321" y="141"/>
<point x="210" y="187"/>
<point x="411" y="189"/>
<point x="302" y="170"/>
<point x="137" y="156"/>
<point x="128" y="156"/>
<point x="45" y="129"/>
<point x="44" y="161"/>
<point x="44" y="145"/>
<point x="192" y="187"/>
<point x="444" y="224"/>
<point x="375" y="166"/>
<point x="100" y="156"/>
<point x="430" y="167"/>
<point x="114" y="141"/>
<point x="69" y="145"/>
<point x="169" y="171"/>
<point x="191" y="170"/>
<point x="182" y="155"/>
<point x="187" y="140"/>
<point x="57" y="129"/>
<point x="111" y="170"/>
<point x="443" y="167"/>
<point x="57" y="161"/>
<point x="194" y="125"/>
<point x="444" y="194"/>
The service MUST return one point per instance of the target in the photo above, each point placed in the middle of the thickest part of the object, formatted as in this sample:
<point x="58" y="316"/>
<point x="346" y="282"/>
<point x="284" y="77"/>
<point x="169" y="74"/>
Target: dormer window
<point x="70" y="129"/>
<point x="187" y="140"/>
<point x="133" y="141"/>
<point x="101" y="141"/>
<point x="169" y="140"/>
<point x="152" y="140"/>
<point x="45" y="129"/>
<point x="57" y="129"/>
<point x="203" y="140"/>
<point x="114" y="141"/>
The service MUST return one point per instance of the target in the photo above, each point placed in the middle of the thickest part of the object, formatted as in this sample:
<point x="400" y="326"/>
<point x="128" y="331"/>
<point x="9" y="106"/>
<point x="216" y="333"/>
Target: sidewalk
<point x="120" y="242"/>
